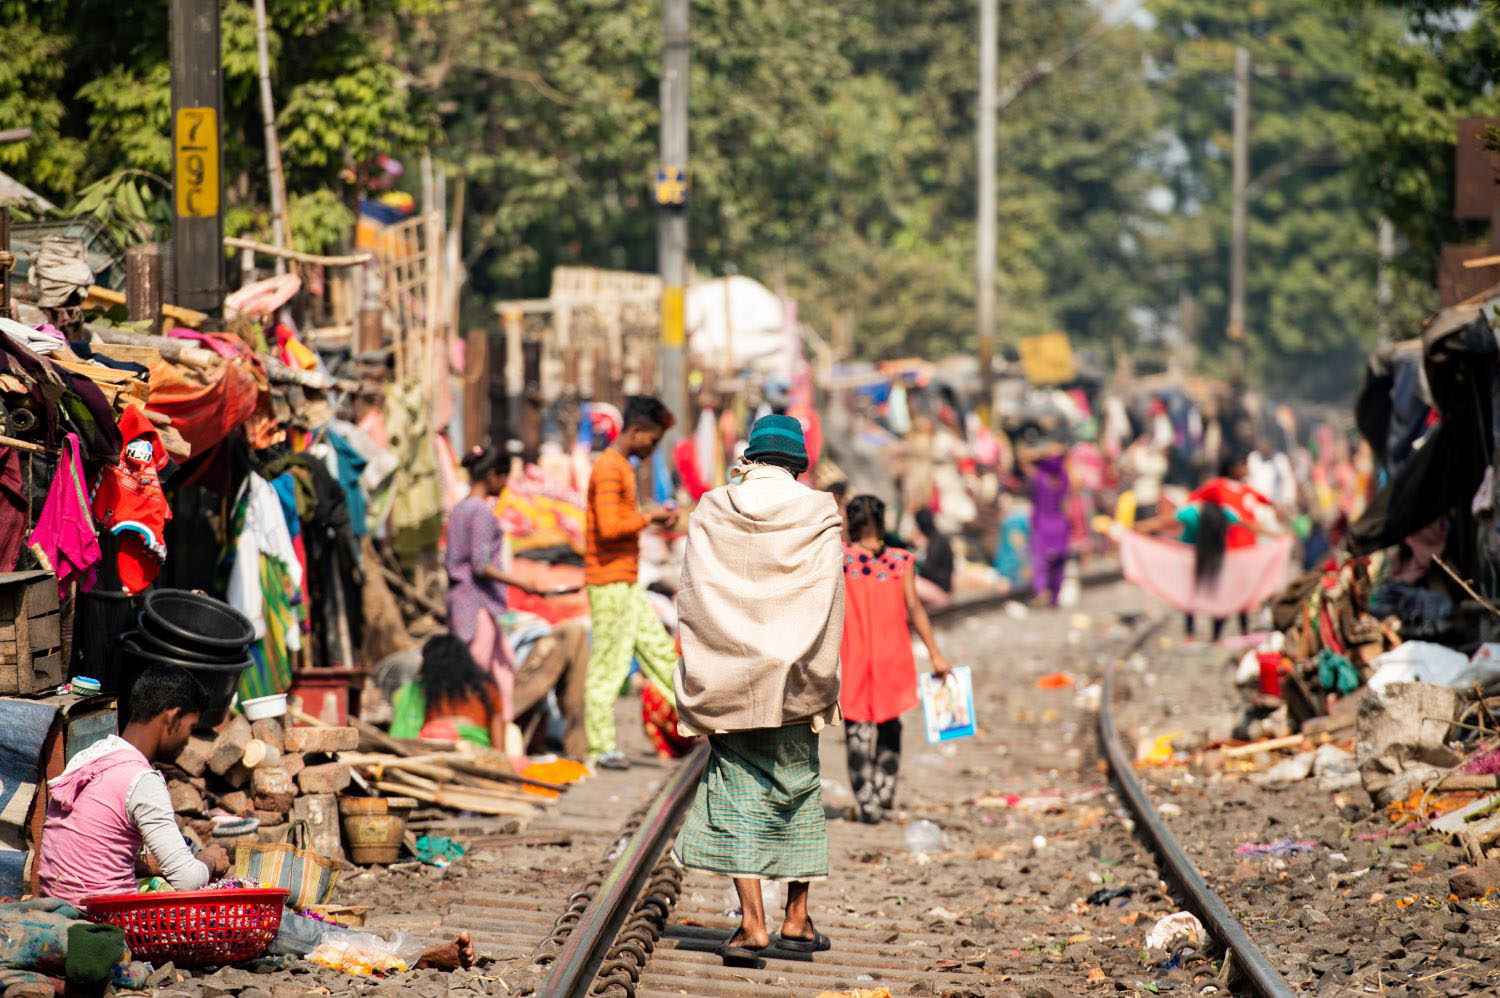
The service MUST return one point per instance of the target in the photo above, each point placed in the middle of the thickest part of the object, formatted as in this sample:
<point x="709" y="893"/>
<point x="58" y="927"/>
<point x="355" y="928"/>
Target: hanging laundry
<point x="64" y="540"/>
<point x="706" y="450"/>
<point x="686" y="457"/>
<point x="12" y="508"/>
<point x="130" y="504"/>
<point x="265" y="584"/>
<point x="205" y="406"/>
<point x="262" y="532"/>
<point x="661" y="477"/>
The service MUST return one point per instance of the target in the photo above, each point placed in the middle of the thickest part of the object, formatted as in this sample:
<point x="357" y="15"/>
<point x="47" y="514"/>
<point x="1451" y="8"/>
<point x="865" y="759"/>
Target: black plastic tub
<point x="196" y="623"/>
<point x="103" y="615"/>
<point x="153" y="641"/>
<point x="218" y="678"/>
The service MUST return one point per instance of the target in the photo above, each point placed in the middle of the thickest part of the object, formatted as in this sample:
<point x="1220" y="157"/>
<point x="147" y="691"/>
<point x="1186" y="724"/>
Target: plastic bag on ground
<point x="1425" y="662"/>
<point x="1178" y="929"/>
<point x="364" y="954"/>
<point x="923" y="838"/>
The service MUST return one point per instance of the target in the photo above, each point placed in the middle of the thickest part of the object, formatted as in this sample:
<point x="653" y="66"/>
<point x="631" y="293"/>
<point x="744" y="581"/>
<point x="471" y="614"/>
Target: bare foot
<point x="751" y="940"/>
<point x="449" y="956"/>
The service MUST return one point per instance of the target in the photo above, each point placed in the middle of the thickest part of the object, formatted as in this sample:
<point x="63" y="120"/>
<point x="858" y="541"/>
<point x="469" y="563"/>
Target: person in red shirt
<point x="1222" y="514"/>
<point x="1230" y="490"/>
<point x="881" y="609"/>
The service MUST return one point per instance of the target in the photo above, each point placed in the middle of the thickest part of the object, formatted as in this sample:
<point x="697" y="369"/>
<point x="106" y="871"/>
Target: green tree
<point x="1312" y="251"/>
<point x="94" y="84"/>
<point x="1432" y="62"/>
<point x="895" y="247"/>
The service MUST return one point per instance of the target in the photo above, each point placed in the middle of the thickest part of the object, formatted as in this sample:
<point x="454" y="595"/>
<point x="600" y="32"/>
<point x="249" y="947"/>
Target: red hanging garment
<point x="130" y="504"/>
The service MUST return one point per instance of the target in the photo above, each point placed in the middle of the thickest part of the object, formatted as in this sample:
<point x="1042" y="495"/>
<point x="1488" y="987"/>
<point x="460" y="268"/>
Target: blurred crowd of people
<point x="1030" y="507"/>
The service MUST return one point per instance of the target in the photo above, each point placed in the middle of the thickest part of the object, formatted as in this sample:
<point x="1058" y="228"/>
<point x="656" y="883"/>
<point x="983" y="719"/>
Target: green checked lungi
<point x="758" y="812"/>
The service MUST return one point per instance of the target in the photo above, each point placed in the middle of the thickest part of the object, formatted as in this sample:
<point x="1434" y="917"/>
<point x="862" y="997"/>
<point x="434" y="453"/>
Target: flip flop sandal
<point x="741" y="956"/>
<point x="819" y="943"/>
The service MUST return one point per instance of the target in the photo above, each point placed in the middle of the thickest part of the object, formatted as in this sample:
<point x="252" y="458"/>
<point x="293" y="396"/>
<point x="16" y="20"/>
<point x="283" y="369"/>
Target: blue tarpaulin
<point x="23" y="730"/>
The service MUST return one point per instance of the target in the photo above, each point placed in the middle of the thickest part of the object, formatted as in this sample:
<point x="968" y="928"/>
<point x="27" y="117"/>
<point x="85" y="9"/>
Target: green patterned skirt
<point x="758" y="811"/>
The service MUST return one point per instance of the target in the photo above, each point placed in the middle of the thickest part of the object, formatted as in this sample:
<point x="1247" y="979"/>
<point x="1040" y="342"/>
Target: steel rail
<point x="577" y="963"/>
<point x="1250" y="961"/>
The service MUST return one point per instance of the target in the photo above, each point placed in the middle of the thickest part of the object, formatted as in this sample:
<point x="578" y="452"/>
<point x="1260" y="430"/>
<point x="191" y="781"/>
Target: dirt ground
<point x="1039" y="886"/>
<point x="1355" y="910"/>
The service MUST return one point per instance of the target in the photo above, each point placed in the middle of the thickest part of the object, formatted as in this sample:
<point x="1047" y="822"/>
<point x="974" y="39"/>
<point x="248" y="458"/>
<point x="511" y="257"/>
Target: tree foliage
<point x="1312" y="243"/>
<point x="94" y="85"/>
<point x="832" y="150"/>
<point x="1433" y="62"/>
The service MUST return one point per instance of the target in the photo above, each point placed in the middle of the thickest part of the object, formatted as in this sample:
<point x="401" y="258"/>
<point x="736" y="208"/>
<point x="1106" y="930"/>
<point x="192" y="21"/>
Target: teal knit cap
<point x="777" y="436"/>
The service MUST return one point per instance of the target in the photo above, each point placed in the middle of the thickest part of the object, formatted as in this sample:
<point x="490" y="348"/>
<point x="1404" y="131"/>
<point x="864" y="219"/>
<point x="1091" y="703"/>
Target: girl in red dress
<point x="881" y="610"/>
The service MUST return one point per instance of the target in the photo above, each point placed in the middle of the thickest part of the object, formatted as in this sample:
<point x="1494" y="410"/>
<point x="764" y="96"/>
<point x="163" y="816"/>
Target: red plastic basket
<point x="193" y="928"/>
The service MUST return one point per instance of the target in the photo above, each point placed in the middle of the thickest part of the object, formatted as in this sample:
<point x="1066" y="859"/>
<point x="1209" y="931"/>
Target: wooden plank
<point x="46" y="671"/>
<point x="1289" y="741"/>
<point x="129" y="352"/>
<point x="109" y="297"/>
<point x="12" y="578"/>
<point x="46" y="631"/>
<point x="41" y="596"/>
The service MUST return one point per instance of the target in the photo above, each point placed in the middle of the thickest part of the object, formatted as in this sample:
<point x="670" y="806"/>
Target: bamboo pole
<point x="460" y="795"/>
<point x="281" y="226"/>
<point x="458" y="801"/>
<point x="352" y="260"/>
<point x="180" y="351"/>
<point x="440" y="775"/>
<point x="26" y="445"/>
<point x="1289" y="741"/>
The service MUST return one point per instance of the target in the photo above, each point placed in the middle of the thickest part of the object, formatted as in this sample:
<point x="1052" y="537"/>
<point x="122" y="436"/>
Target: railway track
<point x="644" y="928"/>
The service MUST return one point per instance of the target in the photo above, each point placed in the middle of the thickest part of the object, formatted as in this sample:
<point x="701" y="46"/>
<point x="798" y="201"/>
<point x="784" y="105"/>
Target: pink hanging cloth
<point x="64" y="539"/>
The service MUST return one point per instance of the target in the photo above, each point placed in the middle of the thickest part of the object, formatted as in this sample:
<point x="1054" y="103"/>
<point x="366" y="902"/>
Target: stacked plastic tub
<point x="208" y="637"/>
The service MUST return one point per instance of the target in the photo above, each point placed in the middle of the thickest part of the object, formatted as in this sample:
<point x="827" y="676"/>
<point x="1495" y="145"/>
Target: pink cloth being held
<point x="1164" y="568"/>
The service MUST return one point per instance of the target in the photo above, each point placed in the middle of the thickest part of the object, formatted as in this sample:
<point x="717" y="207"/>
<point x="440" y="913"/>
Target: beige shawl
<point x="762" y="612"/>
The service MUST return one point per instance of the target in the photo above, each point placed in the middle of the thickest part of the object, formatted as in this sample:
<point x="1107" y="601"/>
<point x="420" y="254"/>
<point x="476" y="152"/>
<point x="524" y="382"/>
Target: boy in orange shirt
<point x="623" y="622"/>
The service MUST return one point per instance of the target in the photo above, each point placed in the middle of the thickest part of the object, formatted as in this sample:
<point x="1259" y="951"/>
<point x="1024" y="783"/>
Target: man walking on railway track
<point x="762" y="612"/>
<point x="623" y="622"/>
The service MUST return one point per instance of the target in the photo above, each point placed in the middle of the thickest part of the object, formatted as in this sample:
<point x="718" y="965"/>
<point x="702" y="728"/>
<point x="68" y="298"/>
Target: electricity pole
<point x="984" y="256"/>
<point x="671" y="199"/>
<point x="197" y="224"/>
<point x="1240" y="180"/>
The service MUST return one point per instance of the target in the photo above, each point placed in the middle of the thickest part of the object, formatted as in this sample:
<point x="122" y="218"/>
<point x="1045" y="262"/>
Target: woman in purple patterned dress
<point x="476" y="583"/>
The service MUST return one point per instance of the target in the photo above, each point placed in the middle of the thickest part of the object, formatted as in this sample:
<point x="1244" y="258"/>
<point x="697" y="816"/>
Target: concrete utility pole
<point x="671" y="199"/>
<point x="984" y="254"/>
<point x="1240" y="181"/>
<point x="197" y="94"/>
